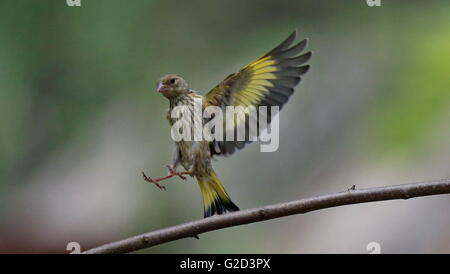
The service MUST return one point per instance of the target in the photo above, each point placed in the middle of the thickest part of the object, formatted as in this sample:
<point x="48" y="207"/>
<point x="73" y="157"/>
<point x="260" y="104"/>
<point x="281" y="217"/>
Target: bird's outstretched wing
<point x="267" y="81"/>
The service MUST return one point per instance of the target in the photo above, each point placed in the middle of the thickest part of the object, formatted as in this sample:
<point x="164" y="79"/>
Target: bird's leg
<point x="175" y="162"/>
<point x="172" y="174"/>
<point x="173" y="171"/>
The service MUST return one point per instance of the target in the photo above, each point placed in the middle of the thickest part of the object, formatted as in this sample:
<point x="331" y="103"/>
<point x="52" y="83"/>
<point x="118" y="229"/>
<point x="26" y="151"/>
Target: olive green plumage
<point x="268" y="81"/>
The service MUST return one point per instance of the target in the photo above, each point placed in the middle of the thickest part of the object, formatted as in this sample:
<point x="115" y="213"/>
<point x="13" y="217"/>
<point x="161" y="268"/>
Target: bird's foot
<point x="172" y="173"/>
<point x="150" y="180"/>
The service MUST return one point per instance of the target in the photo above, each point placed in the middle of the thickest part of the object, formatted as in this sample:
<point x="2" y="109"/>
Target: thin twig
<point x="194" y="228"/>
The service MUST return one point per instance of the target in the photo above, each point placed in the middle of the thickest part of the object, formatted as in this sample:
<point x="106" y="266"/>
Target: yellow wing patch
<point x="267" y="81"/>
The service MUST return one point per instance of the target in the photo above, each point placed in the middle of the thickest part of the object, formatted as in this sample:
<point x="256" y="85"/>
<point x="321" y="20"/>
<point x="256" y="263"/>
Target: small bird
<point x="267" y="81"/>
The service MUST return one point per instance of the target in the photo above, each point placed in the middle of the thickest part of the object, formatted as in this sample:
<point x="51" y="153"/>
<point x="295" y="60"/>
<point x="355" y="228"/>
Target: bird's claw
<point x="172" y="172"/>
<point x="155" y="182"/>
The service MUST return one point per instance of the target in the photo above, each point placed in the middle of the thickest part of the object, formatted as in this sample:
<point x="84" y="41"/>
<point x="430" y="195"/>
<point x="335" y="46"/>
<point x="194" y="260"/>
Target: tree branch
<point x="192" y="229"/>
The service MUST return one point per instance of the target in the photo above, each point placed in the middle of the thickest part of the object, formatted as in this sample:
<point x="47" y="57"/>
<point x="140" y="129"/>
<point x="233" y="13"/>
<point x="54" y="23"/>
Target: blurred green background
<point x="80" y="120"/>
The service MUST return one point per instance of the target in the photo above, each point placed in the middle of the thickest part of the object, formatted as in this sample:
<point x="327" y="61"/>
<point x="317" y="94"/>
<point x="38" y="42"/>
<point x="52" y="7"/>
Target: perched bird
<point x="267" y="81"/>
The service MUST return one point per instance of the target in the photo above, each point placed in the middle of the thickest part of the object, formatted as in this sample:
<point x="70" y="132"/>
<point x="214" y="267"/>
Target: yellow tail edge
<point x="215" y="198"/>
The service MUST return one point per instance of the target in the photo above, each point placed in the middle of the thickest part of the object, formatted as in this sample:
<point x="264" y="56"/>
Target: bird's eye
<point x="172" y="81"/>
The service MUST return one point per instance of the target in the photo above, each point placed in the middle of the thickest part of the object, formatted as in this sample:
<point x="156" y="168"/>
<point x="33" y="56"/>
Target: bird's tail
<point x="215" y="198"/>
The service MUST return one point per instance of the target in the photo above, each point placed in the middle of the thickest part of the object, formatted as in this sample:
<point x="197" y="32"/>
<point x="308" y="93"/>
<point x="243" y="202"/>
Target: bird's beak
<point x="159" y="87"/>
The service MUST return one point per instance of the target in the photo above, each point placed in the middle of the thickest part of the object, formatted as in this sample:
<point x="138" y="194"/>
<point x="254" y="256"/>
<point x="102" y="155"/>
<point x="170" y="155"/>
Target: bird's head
<point x="172" y="85"/>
